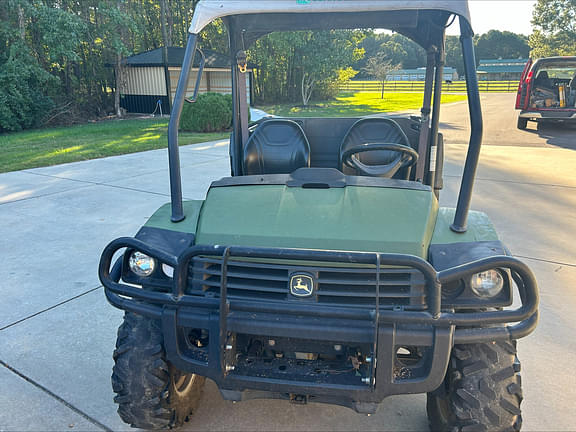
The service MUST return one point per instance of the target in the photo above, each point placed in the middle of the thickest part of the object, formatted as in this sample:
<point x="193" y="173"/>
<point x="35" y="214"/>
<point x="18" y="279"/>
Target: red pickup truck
<point x="547" y="91"/>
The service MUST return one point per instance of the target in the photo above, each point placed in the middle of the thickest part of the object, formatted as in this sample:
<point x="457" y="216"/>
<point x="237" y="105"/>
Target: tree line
<point x="398" y="50"/>
<point x="57" y="57"/>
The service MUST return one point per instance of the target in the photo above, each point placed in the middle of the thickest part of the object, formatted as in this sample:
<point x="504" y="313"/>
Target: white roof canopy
<point x="208" y="10"/>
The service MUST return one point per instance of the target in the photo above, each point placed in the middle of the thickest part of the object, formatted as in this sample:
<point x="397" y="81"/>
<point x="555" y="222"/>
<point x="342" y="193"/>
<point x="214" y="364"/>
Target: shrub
<point x="212" y="112"/>
<point x="330" y="88"/>
<point x="23" y="103"/>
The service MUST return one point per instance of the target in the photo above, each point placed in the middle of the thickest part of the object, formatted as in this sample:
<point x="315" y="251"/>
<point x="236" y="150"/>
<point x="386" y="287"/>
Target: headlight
<point x="487" y="284"/>
<point x="141" y="264"/>
<point x="168" y="271"/>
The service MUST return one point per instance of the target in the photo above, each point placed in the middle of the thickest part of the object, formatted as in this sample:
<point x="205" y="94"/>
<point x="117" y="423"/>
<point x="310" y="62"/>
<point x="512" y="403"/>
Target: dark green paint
<point x="480" y="228"/>
<point x="161" y="219"/>
<point x="352" y="218"/>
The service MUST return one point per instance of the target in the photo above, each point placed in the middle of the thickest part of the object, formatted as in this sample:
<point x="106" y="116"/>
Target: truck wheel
<point x="522" y="123"/>
<point x="481" y="392"/>
<point x="150" y="392"/>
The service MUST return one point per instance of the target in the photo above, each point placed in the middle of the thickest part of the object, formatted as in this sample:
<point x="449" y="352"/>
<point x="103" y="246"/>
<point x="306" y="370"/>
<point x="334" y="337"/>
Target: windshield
<point x="343" y="73"/>
<point x="565" y="70"/>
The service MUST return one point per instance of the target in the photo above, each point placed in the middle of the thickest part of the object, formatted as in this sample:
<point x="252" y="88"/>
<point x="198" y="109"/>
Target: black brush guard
<point x="383" y="329"/>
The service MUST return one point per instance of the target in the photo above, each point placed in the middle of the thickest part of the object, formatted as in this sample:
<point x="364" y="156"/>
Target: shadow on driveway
<point x="450" y="126"/>
<point x="556" y="134"/>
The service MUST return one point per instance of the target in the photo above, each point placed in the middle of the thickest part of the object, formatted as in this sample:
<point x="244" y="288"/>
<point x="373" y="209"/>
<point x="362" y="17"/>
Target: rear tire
<point x="481" y="392"/>
<point x="150" y="392"/>
<point x="522" y="123"/>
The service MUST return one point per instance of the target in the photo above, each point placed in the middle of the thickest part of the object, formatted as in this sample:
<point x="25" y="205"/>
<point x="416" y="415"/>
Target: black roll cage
<point x="429" y="120"/>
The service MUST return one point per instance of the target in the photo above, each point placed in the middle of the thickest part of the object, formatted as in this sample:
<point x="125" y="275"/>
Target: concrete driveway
<point x="57" y="332"/>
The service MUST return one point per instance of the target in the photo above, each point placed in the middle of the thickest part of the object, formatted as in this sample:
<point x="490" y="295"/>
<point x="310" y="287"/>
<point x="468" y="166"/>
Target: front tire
<point x="481" y="392"/>
<point x="150" y="392"/>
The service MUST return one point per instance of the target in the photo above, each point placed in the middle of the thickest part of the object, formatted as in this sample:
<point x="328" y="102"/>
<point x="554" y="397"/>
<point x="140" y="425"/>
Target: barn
<point x="145" y="78"/>
<point x="501" y="69"/>
<point x="450" y="74"/>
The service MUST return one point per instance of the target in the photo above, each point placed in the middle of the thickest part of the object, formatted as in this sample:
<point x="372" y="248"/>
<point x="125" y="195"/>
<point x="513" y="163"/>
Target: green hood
<point x="352" y="218"/>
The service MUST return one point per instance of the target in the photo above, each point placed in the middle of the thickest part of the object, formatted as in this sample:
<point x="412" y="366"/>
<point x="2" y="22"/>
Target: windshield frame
<point x="430" y="118"/>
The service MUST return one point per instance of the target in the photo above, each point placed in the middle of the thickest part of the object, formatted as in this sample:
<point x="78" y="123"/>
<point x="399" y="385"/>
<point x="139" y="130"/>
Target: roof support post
<point x="475" y="108"/>
<point x="434" y="124"/>
<point x="235" y="41"/>
<point x="425" y="118"/>
<point x="173" y="149"/>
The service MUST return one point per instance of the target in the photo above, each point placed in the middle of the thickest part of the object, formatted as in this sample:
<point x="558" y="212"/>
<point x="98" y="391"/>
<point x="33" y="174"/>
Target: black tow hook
<point x="298" y="399"/>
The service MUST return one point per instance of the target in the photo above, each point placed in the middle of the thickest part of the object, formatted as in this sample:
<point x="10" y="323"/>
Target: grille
<point x="345" y="286"/>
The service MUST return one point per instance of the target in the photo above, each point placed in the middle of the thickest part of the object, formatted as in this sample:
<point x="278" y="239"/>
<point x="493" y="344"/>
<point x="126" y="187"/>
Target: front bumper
<point x="382" y="330"/>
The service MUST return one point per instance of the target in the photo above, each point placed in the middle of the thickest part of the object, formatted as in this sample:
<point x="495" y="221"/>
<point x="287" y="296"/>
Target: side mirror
<point x="198" y="78"/>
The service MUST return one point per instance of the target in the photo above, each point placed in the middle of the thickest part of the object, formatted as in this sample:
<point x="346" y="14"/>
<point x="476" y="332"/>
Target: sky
<point x="511" y="15"/>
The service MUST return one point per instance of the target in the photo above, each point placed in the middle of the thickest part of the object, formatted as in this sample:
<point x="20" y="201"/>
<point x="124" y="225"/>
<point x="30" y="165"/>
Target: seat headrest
<point x="277" y="146"/>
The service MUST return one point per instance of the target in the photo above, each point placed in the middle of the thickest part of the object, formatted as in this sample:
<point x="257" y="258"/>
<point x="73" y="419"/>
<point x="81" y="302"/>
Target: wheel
<point x="522" y="123"/>
<point x="481" y="392"/>
<point x="150" y="392"/>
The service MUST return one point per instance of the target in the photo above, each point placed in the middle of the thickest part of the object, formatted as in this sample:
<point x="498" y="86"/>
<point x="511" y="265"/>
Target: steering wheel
<point x="407" y="157"/>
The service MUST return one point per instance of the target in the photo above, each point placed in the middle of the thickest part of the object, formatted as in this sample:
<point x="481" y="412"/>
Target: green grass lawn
<point x="44" y="147"/>
<point x="358" y="104"/>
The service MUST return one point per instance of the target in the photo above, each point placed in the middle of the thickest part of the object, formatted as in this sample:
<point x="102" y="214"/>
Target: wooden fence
<point x="418" y="86"/>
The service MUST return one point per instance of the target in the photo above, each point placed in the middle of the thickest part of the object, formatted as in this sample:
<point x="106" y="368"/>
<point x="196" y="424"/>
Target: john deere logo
<point x="301" y="285"/>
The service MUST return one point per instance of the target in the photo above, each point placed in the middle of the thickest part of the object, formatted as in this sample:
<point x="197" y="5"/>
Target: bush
<point x="212" y="112"/>
<point x="330" y="88"/>
<point x="23" y="103"/>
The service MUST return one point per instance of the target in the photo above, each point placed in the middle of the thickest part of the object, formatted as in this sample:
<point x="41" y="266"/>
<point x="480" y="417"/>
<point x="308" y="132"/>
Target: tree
<point x="25" y="72"/>
<point x="323" y="55"/>
<point x="454" y="54"/>
<point x="166" y="34"/>
<point x="497" y="44"/>
<point x="395" y="47"/>
<point x="114" y="32"/>
<point x="290" y="66"/>
<point x="215" y="37"/>
<point x="23" y="99"/>
<point x="56" y="56"/>
<point x="554" y="28"/>
<point x="274" y="58"/>
<point x="402" y="51"/>
<point x="379" y="67"/>
<point x="407" y="53"/>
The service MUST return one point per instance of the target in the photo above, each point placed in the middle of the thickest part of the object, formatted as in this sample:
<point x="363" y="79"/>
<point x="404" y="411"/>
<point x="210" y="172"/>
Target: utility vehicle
<point x="547" y="91"/>
<point x="323" y="268"/>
